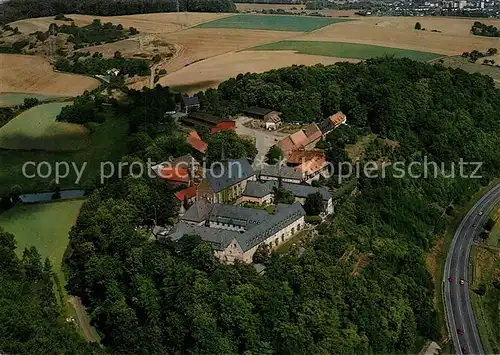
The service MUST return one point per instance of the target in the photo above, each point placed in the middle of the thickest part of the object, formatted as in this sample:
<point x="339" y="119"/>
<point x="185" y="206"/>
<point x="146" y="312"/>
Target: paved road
<point x="458" y="306"/>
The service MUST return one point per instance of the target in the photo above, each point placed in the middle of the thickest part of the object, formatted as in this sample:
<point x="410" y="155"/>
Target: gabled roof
<point x="197" y="144"/>
<point x="281" y="170"/>
<point x="286" y="144"/>
<point x="302" y="156"/>
<point x="187" y="193"/>
<point x="174" y="174"/>
<point x="258" y="189"/>
<point x="229" y="174"/>
<point x="206" y="117"/>
<point x="299" y="139"/>
<point x="332" y="122"/>
<point x="312" y="132"/>
<point x="256" y="110"/>
<point x="237" y="215"/>
<point x="261" y="225"/>
<point x="198" y="212"/>
<point x="284" y="216"/>
<point x="261" y="189"/>
<point x="186" y="160"/>
<point x="191" y="101"/>
<point x="219" y="238"/>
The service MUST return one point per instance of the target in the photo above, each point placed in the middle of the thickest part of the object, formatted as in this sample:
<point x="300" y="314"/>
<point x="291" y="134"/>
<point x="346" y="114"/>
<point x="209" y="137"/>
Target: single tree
<point x="418" y="26"/>
<point x="117" y="55"/>
<point x="314" y="204"/>
<point x="274" y="155"/>
<point x="490" y="223"/>
<point x="262" y="254"/>
<point x="282" y="195"/>
<point x="492" y="51"/>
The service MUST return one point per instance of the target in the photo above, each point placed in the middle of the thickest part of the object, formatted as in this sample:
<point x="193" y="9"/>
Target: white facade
<point x="235" y="252"/>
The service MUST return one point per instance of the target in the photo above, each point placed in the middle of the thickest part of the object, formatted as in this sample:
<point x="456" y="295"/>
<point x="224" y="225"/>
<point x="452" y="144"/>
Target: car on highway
<point x="451" y="279"/>
<point x="462" y="281"/>
<point x="474" y="225"/>
<point x="460" y="331"/>
<point x="481" y="213"/>
<point x="464" y="350"/>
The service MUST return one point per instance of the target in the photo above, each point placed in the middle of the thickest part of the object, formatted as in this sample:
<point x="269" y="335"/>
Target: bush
<point x="313" y="220"/>
<point x="418" y="26"/>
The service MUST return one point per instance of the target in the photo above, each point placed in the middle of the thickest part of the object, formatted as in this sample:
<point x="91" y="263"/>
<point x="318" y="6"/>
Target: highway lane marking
<point x="447" y="289"/>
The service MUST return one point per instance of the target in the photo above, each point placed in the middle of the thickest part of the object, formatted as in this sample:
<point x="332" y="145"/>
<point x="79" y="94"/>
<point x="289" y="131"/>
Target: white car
<point x="481" y="213"/>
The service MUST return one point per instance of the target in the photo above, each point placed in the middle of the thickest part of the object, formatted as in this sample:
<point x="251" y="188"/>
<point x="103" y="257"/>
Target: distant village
<point x="233" y="205"/>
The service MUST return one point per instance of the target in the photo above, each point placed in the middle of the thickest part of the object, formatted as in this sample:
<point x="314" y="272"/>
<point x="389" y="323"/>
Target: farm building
<point x="302" y="139"/>
<point x="190" y="104"/>
<point x="270" y="118"/>
<point x="215" y="123"/>
<point x="332" y="122"/>
<point x="195" y="141"/>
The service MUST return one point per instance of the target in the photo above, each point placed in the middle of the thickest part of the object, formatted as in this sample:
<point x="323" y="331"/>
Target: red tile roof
<point x="299" y="139"/>
<point x="286" y="144"/>
<point x="197" y="144"/>
<point x="300" y="156"/>
<point x="187" y="193"/>
<point x="337" y="119"/>
<point x="174" y="174"/>
<point x="194" y="134"/>
<point x="312" y="132"/>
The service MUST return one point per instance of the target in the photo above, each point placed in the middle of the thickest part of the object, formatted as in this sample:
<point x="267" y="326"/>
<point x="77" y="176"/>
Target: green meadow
<point x="45" y="226"/>
<point x="37" y="129"/>
<point x="346" y="50"/>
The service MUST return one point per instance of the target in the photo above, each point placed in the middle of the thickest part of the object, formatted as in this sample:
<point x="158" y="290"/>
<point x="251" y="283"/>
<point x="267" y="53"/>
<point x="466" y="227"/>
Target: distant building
<point x="189" y="104"/>
<point x="214" y="123"/>
<point x="114" y="72"/>
<point x="272" y="122"/>
<point x="225" y="182"/>
<point x="236" y="232"/>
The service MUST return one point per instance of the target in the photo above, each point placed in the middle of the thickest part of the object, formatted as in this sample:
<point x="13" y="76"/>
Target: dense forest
<point x="361" y="286"/>
<point x="30" y="318"/>
<point x="13" y="10"/>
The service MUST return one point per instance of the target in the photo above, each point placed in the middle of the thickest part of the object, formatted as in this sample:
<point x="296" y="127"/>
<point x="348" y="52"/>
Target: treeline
<point x="85" y="109"/>
<point x="13" y="10"/>
<point x="94" y="34"/>
<point x="482" y="29"/>
<point x="30" y="316"/>
<point x="95" y="64"/>
<point x="475" y="54"/>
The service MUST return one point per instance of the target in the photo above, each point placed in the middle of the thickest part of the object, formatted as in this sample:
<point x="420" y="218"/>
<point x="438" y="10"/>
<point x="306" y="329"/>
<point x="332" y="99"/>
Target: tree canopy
<point x="13" y="10"/>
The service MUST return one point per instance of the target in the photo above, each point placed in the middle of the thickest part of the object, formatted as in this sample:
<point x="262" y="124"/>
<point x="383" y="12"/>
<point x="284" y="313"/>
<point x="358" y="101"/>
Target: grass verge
<point x="346" y="50"/>
<point x="486" y="268"/>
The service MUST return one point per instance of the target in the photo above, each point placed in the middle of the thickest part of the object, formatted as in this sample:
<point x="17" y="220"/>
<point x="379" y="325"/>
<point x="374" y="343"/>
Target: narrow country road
<point x="458" y="308"/>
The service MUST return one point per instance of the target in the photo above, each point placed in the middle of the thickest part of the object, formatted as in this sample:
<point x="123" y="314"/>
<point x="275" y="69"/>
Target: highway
<point x="458" y="308"/>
